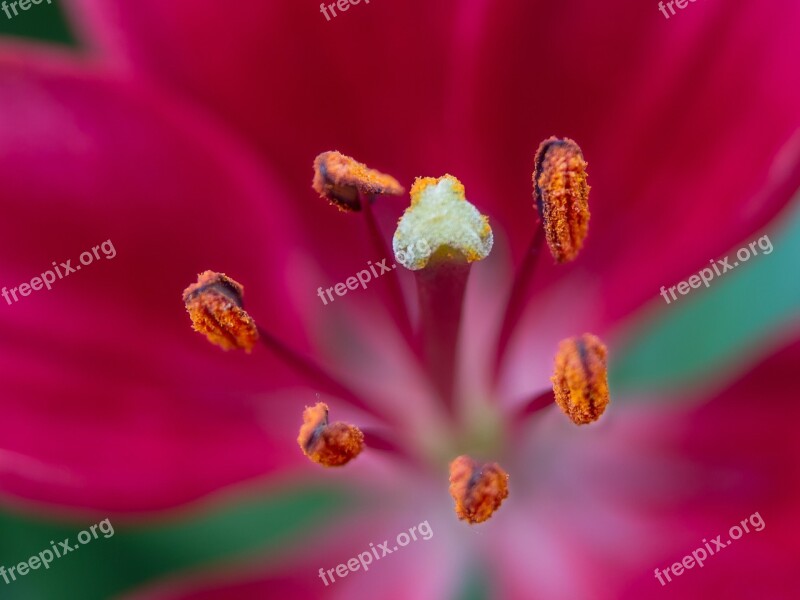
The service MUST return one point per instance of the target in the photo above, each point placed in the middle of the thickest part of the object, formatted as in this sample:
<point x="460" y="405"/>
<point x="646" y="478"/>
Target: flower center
<point x="438" y="238"/>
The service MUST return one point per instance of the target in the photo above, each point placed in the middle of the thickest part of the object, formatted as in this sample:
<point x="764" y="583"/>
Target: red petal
<point x="103" y="380"/>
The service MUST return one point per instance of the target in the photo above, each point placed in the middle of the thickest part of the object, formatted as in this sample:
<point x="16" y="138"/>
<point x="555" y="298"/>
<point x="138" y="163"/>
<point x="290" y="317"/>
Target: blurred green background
<point x="249" y="525"/>
<point x="42" y="22"/>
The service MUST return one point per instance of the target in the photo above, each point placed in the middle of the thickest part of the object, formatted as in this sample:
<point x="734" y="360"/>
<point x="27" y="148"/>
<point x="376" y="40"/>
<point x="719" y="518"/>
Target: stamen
<point x="328" y="445"/>
<point x="533" y="405"/>
<point x="383" y="440"/>
<point x="341" y="179"/>
<point x="439" y="235"/>
<point x="561" y="194"/>
<point x="316" y="374"/>
<point x="351" y="186"/>
<point x="521" y="417"/>
<point x="477" y="490"/>
<point x="580" y="380"/>
<point x="517" y="297"/>
<point x="397" y="303"/>
<point x="214" y="304"/>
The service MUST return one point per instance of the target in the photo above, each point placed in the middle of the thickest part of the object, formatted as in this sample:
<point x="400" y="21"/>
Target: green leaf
<point x="178" y="542"/>
<point x="710" y="334"/>
<point x="43" y="22"/>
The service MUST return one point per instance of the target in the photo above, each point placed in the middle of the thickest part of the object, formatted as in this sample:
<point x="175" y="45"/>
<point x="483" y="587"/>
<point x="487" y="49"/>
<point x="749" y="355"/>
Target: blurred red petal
<point x="104" y="380"/>
<point x="699" y="169"/>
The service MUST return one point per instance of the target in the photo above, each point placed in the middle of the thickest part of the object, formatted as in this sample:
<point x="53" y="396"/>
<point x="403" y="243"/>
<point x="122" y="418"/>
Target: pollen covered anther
<point x="214" y="304"/>
<point x="330" y="445"/>
<point x="580" y="380"/>
<point x="342" y="180"/>
<point x="442" y="224"/>
<point x="562" y="196"/>
<point x="478" y="490"/>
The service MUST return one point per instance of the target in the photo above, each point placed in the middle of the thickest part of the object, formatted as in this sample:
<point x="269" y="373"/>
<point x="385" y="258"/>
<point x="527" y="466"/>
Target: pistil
<point x="441" y="286"/>
<point x="439" y="236"/>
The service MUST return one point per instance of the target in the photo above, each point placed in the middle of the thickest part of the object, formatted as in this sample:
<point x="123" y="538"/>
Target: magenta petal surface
<point x="652" y="152"/>
<point x="107" y="384"/>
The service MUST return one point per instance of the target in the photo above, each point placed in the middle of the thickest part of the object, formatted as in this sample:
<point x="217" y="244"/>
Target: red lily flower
<point x="185" y="136"/>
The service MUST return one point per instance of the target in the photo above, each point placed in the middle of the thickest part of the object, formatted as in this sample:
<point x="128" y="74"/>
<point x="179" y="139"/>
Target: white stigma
<point x="440" y="217"/>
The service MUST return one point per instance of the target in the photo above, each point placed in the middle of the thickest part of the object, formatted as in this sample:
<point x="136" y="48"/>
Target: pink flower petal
<point x="104" y="381"/>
